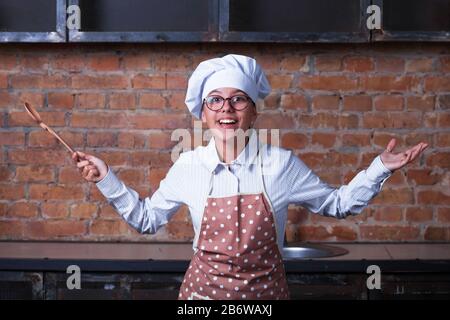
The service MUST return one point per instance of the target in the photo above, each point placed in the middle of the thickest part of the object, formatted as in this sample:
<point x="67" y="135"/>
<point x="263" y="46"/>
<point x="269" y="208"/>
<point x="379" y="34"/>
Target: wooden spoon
<point x="36" y="117"/>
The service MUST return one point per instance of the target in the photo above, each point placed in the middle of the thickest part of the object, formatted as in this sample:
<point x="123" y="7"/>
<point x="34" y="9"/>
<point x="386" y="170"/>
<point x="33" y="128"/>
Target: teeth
<point x="227" y="121"/>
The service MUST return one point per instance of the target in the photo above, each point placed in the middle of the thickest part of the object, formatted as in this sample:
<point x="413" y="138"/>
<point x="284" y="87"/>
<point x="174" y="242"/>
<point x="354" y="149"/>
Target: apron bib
<point x="238" y="256"/>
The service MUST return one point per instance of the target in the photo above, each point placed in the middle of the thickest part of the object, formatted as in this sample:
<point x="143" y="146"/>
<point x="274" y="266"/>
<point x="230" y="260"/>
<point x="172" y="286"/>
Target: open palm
<point x="394" y="161"/>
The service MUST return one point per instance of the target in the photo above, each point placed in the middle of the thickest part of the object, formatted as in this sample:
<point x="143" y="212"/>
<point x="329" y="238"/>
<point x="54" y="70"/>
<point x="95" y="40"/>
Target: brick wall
<point x="336" y="105"/>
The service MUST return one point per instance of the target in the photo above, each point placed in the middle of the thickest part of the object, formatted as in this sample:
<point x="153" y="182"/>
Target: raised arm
<point x="145" y="215"/>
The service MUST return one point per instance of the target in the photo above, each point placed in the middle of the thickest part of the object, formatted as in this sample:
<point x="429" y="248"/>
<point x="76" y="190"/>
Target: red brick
<point x="388" y="214"/>
<point x="441" y="160"/>
<point x="390" y="64"/>
<point x="421" y="103"/>
<point x="7" y="100"/>
<point x="72" y="62"/>
<point x="55" y="228"/>
<point x="325" y="102"/>
<point x="422" y="176"/>
<point x="437" y="84"/>
<point x="358" y="64"/>
<point x="180" y="230"/>
<point x="158" y="121"/>
<point x="109" y="227"/>
<point x="432" y="197"/>
<point x="443" y="215"/>
<point x="348" y="121"/>
<point x="99" y="82"/>
<point x="161" y="141"/>
<point x="156" y="175"/>
<point x="176" y="82"/>
<point x="280" y="81"/>
<point x="419" y="214"/>
<point x="443" y="120"/>
<point x="389" y="233"/>
<point x="136" y="62"/>
<point x="437" y="233"/>
<point x="275" y="121"/>
<point x="389" y="83"/>
<point x="102" y="139"/>
<point x="142" y="81"/>
<point x="61" y="100"/>
<point x="36" y="157"/>
<point x="152" y="101"/>
<point x="99" y="120"/>
<point x="42" y="139"/>
<point x="6" y="173"/>
<point x="329" y="83"/>
<point x="319" y="120"/>
<point x="11" y="191"/>
<point x="34" y="63"/>
<point x="326" y="140"/>
<point x="131" y="177"/>
<point x="19" y="119"/>
<point x="357" y="103"/>
<point x="294" y="63"/>
<point x="394" y="196"/>
<point x="343" y="233"/>
<point x="131" y="140"/>
<point x="330" y="159"/>
<point x="91" y="101"/>
<point x="74" y="139"/>
<point x="396" y="179"/>
<point x="8" y="61"/>
<point x="392" y="120"/>
<point x="313" y="233"/>
<point x="175" y="101"/>
<point x="328" y="63"/>
<point x="103" y="63"/>
<point x="23" y="210"/>
<point x="55" y="210"/>
<point x="34" y="173"/>
<point x="41" y="192"/>
<point x="382" y="139"/>
<point x="443" y="139"/>
<point x="36" y="99"/>
<point x="272" y="101"/>
<point x="414" y="138"/>
<point x="293" y="101"/>
<point x="3" y="81"/>
<point x="388" y="103"/>
<point x="83" y="210"/>
<point x="113" y="158"/>
<point x="106" y="212"/>
<point x="22" y="81"/>
<point x="12" y="138"/>
<point x="444" y="64"/>
<point x="294" y="140"/>
<point x="420" y="65"/>
<point x="70" y="175"/>
<point x="12" y="229"/>
<point x="356" y="140"/>
<point x="178" y="63"/>
<point x="150" y="158"/>
<point x="122" y="101"/>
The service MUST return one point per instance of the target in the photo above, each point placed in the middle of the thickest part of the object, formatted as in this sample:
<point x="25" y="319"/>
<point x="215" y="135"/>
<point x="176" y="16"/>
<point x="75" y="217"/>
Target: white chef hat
<point x="231" y="71"/>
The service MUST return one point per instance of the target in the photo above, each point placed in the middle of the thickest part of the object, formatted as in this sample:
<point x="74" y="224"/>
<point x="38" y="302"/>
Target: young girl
<point x="237" y="193"/>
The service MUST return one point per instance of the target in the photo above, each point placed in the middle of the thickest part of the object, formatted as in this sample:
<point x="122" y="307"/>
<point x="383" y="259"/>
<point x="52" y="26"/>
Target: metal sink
<point x="309" y="250"/>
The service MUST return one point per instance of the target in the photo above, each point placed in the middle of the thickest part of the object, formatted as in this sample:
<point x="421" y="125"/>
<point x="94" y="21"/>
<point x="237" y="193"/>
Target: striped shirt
<point x="286" y="179"/>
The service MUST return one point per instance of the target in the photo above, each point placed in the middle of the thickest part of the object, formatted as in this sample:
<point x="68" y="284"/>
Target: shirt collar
<point x="246" y="157"/>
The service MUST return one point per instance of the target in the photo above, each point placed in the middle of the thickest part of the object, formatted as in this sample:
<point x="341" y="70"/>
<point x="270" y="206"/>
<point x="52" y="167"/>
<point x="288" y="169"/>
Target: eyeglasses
<point x="239" y="102"/>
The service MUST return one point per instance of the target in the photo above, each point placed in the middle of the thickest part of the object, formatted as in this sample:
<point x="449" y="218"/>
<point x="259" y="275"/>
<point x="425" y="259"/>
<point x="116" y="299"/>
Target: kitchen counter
<point x="174" y="257"/>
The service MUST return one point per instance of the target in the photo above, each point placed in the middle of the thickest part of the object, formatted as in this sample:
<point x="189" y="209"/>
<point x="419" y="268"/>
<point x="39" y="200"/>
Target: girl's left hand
<point x="394" y="161"/>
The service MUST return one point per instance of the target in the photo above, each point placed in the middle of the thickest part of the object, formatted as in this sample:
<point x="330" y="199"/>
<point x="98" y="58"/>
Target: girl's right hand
<point x="92" y="169"/>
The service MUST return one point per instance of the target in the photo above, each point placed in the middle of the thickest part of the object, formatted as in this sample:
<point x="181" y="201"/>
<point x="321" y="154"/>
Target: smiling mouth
<point x="227" y="121"/>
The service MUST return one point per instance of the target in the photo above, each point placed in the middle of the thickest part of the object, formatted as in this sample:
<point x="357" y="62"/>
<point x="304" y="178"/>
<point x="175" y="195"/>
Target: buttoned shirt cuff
<point x="377" y="171"/>
<point x="109" y="185"/>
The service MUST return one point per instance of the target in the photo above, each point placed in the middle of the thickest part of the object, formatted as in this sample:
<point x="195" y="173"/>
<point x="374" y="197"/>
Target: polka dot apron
<point x="237" y="256"/>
